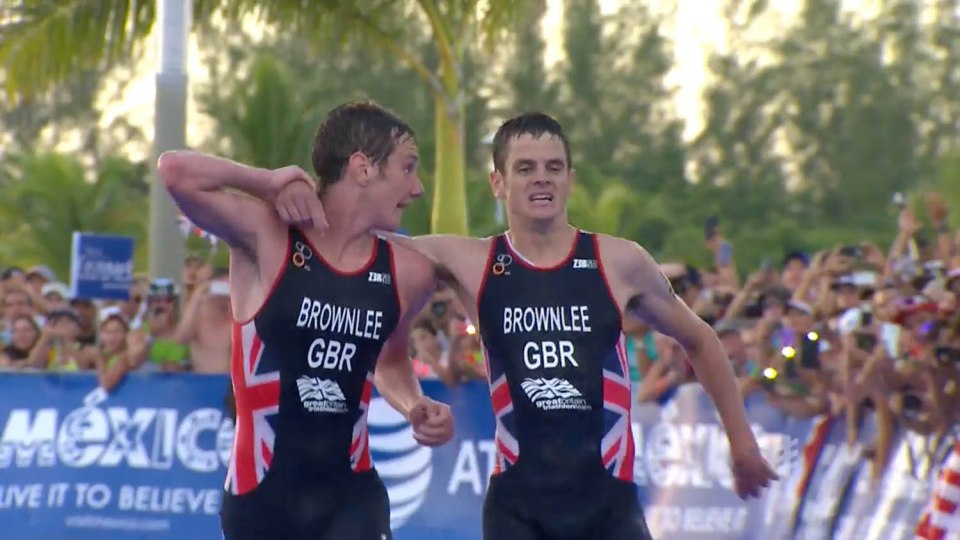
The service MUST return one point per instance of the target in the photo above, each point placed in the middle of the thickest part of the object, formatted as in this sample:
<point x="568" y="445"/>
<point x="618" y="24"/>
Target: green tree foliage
<point x="810" y="134"/>
<point x="806" y="135"/>
<point x="267" y="99"/>
<point x="45" y="197"/>
<point x="616" y="105"/>
<point x="86" y="34"/>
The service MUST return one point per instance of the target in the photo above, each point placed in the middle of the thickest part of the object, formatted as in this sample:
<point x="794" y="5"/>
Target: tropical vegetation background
<point x="806" y="131"/>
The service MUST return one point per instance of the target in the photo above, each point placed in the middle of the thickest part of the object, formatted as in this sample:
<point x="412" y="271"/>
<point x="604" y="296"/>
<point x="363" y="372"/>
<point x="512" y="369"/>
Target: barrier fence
<point x="148" y="461"/>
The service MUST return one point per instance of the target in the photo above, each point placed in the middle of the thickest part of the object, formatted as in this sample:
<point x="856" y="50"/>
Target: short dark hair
<point x="356" y="126"/>
<point x="796" y="255"/>
<point x="63" y="313"/>
<point x="535" y="124"/>
<point x="9" y="272"/>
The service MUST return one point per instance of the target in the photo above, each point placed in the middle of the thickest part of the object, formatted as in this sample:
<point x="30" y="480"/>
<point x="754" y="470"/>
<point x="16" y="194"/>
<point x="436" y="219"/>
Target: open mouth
<point x="541" y="198"/>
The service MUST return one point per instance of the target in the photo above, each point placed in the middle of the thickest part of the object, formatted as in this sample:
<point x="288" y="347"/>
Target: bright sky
<point x="696" y="28"/>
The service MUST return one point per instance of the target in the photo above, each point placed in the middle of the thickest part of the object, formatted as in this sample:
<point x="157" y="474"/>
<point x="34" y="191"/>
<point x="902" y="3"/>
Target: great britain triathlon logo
<point x="554" y="394"/>
<point x="301" y="255"/>
<point x="404" y="466"/>
<point x="321" y="395"/>
<point x="502" y="265"/>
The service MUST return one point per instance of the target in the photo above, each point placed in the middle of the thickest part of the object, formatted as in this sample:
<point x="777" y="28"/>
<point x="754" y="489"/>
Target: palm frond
<point x="45" y="42"/>
<point x="495" y="18"/>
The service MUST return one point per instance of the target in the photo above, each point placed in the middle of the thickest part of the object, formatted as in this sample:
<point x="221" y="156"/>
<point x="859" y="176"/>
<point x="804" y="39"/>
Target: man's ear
<point x="497" y="185"/>
<point x="359" y="168"/>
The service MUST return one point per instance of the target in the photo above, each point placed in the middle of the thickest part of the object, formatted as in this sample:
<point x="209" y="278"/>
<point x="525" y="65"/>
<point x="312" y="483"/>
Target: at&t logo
<point x="404" y="466"/>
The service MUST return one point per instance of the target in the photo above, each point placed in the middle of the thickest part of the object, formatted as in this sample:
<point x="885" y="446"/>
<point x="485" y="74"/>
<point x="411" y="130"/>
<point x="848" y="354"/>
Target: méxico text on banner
<point x="149" y="460"/>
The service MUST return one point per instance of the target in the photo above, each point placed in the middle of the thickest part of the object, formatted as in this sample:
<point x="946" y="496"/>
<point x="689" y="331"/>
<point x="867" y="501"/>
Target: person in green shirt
<point x="160" y="325"/>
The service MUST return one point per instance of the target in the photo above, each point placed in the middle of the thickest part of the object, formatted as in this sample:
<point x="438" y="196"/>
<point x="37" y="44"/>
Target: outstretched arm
<point x="440" y="249"/>
<point x="394" y="377"/>
<point x="654" y="301"/>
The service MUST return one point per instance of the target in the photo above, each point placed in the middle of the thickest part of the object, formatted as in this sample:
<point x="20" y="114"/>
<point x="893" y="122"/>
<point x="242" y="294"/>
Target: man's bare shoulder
<point x="622" y="255"/>
<point x="634" y="272"/>
<point x="415" y="275"/>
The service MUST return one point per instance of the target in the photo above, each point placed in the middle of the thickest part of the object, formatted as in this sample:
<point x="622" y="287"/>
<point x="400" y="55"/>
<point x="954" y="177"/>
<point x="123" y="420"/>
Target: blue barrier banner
<point x="836" y="465"/>
<point x="436" y="492"/>
<point x="784" y="498"/>
<point x="145" y="462"/>
<point x="101" y="266"/>
<point x="683" y="466"/>
<point x="890" y="506"/>
<point x="149" y="460"/>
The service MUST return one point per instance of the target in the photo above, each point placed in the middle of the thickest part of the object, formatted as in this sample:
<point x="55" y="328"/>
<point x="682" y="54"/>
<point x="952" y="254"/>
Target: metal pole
<point x="167" y="244"/>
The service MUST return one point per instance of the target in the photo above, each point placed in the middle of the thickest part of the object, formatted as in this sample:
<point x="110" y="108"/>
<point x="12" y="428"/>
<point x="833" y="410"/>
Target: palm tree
<point x="604" y="208"/>
<point x="45" y="197"/>
<point x="263" y="120"/>
<point x="44" y="42"/>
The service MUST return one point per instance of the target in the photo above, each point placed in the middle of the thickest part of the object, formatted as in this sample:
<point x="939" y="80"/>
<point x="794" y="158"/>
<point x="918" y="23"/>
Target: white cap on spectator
<point x="845" y="280"/>
<point x="111" y="311"/>
<point x="57" y="288"/>
<point x="800" y="306"/>
<point x="865" y="279"/>
<point x="850" y="321"/>
<point x="43" y="271"/>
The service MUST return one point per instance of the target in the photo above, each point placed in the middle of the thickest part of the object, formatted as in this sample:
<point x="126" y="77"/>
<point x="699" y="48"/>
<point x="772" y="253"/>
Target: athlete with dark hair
<point x="549" y="301"/>
<point x="322" y="310"/>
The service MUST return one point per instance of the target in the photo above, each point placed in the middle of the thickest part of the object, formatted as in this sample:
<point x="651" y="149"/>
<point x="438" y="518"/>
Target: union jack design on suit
<point x="256" y="388"/>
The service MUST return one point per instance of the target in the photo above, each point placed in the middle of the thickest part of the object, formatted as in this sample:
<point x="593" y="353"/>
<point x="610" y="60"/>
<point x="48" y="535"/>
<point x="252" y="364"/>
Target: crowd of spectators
<point x="850" y="328"/>
<point x="158" y="328"/>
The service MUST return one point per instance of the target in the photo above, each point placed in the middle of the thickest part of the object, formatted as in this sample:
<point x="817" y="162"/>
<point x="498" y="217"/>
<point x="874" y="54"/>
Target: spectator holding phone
<point x="58" y="348"/>
<point x="166" y="353"/>
<point x="119" y="349"/>
<point x="722" y="251"/>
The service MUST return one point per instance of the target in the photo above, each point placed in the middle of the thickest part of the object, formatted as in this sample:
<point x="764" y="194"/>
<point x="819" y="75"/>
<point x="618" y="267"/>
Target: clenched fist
<point x="432" y="422"/>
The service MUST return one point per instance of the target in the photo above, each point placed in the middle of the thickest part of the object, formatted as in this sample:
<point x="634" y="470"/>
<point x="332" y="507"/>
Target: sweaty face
<point x="536" y="179"/>
<point x="395" y="184"/>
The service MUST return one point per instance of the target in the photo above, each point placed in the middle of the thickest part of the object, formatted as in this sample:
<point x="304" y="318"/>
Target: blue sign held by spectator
<point x="101" y="266"/>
